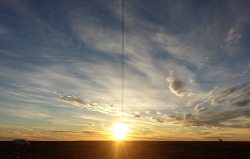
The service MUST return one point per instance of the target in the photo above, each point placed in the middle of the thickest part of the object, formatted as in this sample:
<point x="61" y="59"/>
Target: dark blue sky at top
<point x="188" y="20"/>
<point x="32" y="39"/>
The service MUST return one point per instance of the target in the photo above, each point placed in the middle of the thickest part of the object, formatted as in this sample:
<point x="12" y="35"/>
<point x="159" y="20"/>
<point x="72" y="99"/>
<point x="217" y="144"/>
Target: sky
<point x="186" y="69"/>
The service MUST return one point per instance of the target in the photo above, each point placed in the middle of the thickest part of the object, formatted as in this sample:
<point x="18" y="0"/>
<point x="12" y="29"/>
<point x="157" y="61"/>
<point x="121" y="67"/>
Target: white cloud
<point x="191" y="80"/>
<point x="158" y="112"/>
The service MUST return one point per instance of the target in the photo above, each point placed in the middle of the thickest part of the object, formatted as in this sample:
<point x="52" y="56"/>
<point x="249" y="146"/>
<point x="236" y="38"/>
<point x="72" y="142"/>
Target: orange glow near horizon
<point x="119" y="131"/>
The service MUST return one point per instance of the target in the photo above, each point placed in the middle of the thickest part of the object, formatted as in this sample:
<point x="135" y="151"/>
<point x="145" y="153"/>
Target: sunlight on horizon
<point x="119" y="131"/>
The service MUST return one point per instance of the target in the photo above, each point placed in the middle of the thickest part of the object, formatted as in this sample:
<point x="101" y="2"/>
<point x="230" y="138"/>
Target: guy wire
<point x="122" y="56"/>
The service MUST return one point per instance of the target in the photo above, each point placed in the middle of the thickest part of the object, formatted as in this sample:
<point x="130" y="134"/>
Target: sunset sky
<point x="186" y="69"/>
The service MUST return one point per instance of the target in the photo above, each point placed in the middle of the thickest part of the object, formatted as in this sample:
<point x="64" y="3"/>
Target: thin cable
<point x="122" y="56"/>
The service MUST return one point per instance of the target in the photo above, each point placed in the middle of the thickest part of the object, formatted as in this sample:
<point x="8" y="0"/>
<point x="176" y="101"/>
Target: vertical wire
<point x="122" y="56"/>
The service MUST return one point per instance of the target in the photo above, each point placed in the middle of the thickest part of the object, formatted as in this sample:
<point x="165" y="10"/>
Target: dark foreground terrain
<point x="125" y="150"/>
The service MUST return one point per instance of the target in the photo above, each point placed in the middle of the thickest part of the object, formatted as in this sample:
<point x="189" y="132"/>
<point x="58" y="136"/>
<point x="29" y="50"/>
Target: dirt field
<point x="125" y="150"/>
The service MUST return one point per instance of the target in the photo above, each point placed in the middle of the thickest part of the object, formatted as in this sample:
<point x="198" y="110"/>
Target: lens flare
<point x="119" y="131"/>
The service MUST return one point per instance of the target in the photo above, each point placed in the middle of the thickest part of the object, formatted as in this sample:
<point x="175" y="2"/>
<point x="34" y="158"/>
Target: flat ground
<point x="125" y="150"/>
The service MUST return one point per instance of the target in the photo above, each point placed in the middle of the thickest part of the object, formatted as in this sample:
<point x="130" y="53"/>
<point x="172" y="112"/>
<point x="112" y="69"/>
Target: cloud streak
<point x="235" y="32"/>
<point x="84" y="103"/>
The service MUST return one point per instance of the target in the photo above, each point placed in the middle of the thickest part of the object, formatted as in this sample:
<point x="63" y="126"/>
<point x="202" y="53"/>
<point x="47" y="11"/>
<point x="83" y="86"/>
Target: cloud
<point x="74" y="132"/>
<point x="223" y="119"/>
<point x="242" y="103"/>
<point x="136" y="112"/>
<point x="10" y="53"/>
<point x="92" y="32"/>
<point x="187" y="116"/>
<point x="247" y="113"/>
<point x="191" y="102"/>
<point x="200" y="108"/>
<point x="94" y="107"/>
<point x="236" y="94"/>
<point x="203" y="133"/>
<point x="158" y="120"/>
<point x="25" y="111"/>
<point x="88" y="124"/>
<point x="229" y="91"/>
<point x="158" y="112"/>
<point x="217" y="101"/>
<point x="233" y="35"/>
<point x="235" y="32"/>
<point x="191" y="80"/>
<point x="72" y="99"/>
<point x="137" y="116"/>
<point x="240" y="97"/>
<point x="244" y="89"/>
<point x="173" y="117"/>
<point x="176" y="86"/>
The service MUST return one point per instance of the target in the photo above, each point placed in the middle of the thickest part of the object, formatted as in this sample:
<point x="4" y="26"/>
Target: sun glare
<point x="119" y="131"/>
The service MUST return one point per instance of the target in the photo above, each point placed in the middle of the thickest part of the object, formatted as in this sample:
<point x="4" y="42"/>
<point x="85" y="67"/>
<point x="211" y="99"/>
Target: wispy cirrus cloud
<point x="85" y="103"/>
<point x="242" y="103"/>
<point x="235" y="32"/>
<point x="74" y="132"/>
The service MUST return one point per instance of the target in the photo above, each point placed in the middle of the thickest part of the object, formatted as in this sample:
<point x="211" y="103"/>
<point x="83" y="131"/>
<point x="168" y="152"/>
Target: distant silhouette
<point x="221" y="143"/>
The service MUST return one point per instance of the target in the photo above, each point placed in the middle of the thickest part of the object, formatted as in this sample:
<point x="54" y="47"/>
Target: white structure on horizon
<point x="20" y="142"/>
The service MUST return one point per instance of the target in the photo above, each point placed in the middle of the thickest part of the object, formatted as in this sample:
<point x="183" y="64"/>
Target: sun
<point x="119" y="131"/>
